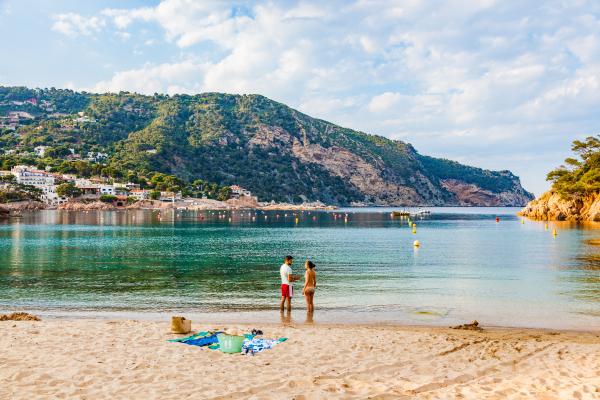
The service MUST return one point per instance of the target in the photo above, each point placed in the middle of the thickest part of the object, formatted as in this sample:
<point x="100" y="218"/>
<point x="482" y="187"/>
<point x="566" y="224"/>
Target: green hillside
<point x="276" y="152"/>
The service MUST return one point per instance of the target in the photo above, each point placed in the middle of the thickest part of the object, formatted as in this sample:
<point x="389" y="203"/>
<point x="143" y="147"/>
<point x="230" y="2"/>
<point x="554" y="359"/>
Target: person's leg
<point x="307" y="297"/>
<point x="311" y="296"/>
<point x="282" y="303"/>
<point x="289" y="304"/>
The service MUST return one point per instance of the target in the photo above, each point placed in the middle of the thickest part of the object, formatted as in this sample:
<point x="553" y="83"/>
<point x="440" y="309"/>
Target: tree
<point x="108" y="198"/>
<point x="579" y="177"/>
<point x="154" y="194"/>
<point x="68" y="190"/>
<point x="8" y="179"/>
<point x="224" y="193"/>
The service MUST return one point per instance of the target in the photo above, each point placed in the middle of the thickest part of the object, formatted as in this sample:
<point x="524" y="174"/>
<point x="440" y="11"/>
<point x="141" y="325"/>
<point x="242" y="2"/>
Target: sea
<point x="484" y="264"/>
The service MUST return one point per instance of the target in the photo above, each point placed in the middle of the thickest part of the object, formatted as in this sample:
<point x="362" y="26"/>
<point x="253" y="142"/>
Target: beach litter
<point x="473" y="326"/>
<point x="19" y="316"/>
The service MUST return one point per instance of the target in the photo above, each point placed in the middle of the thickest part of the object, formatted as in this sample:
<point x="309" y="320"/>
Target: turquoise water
<point x="205" y="265"/>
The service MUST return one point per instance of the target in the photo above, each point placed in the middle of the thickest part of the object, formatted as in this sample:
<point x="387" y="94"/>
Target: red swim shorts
<point x="287" y="290"/>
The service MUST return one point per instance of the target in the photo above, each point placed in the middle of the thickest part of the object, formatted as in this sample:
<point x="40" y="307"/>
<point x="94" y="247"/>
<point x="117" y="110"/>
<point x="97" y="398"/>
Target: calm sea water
<point x="210" y="267"/>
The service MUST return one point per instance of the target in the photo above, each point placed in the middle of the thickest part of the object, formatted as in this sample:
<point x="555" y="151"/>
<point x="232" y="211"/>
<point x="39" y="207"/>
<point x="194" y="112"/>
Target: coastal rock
<point x="80" y="206"/>
<point x="19" y="316"/>
<point x="468" y="194"/>
<point x="27" y="205"/>
<point x="554" y="207"/>
<point x="4" y="212"/>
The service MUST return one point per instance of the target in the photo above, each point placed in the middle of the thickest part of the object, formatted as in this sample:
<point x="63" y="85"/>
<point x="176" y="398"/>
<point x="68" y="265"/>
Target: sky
<point x="495" y="84"/>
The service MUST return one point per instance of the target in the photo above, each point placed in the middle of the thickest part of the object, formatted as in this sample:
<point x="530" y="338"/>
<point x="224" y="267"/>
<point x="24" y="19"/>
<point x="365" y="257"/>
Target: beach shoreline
<point x="274" y="318"/>
<point x="126" y="358"/>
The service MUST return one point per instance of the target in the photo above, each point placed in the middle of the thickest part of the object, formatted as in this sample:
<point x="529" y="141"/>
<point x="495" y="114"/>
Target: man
<point x="287" y="280"/>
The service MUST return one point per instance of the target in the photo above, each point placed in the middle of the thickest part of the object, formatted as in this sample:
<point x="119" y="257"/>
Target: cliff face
<point x="282" y="154"/>
<point x="552" y="206"/>
<point x="468" y="194"/>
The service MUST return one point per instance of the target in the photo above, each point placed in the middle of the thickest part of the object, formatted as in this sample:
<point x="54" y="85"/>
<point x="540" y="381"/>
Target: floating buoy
<point x="497" y="219"/>
<point x="229" y="219"/>
<point x="546" y="226"/>
<point x="416" y="243"/>
<point x="296" y="220"/>
<point x="414" y="230"/>
<point x="414" y="225"/>
<point x="522" y="220"/>
<point x="554" y="232"/>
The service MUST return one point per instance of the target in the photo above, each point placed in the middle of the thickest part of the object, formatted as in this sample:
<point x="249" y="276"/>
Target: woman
<point x="310" y="284"/>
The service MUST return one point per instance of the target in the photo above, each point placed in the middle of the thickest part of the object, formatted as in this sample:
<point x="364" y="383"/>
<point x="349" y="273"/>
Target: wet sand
<point x="118" y="359"/>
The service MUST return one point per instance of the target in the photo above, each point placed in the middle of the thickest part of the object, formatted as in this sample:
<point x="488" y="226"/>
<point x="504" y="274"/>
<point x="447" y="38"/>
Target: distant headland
<point x="202" y="146"/>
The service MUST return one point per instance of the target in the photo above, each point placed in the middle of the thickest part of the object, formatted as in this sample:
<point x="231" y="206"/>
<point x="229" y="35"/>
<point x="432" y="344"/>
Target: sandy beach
<point x="127" y="359"/>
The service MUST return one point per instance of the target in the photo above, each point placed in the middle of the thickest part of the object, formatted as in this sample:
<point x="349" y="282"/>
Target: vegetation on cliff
<point x="276" y="152"/>
<point x="579" y="177"/>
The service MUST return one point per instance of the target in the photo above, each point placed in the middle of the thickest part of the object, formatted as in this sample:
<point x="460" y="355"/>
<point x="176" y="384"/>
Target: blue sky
<point x="496" y="84"/>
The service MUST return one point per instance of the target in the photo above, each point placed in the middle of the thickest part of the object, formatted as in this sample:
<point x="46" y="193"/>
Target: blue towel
<point x="199" y="339"/>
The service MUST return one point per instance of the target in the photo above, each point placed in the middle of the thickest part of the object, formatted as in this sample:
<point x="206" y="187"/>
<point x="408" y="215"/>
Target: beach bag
<point x="181" y="325"/>
<point x="230" y="343"/>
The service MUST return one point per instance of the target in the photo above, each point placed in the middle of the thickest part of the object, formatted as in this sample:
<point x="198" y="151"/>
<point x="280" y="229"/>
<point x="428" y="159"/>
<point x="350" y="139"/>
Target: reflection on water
<point x="468" y="266"/>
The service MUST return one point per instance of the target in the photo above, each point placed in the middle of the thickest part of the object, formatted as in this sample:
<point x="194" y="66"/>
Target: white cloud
<point x="171" y="78"/>
<point x="72" y="24"/>
<point x="385" y="102"/>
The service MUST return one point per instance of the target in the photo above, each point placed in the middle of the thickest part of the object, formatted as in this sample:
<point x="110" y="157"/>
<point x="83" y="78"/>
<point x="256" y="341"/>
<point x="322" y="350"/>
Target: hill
<point x="271" y="149"/>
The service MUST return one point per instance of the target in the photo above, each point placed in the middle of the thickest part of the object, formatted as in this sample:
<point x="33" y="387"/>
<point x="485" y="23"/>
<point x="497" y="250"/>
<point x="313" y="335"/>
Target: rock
<point x="551" y="206"/>
<point x="473" y="326"/>
<point x="27" y="205"/>
<point x="19" y="316"/>
<point x="469" y="194"/>
<point x="80" y="206"/>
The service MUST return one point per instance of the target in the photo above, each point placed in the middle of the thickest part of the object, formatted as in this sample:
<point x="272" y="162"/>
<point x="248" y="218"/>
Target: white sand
<point x="101" y="359"/>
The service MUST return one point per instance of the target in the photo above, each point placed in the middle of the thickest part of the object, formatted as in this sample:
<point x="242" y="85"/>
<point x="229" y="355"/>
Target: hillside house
<point x="238" y="191"/>
<point x="140" y="194"/>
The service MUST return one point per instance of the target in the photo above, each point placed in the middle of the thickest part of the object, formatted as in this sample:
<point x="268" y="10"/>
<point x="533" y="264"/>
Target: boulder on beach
<point x="19" y="316"/>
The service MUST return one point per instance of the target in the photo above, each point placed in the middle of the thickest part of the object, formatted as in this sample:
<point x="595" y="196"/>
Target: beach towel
<point x="256" y="345"/>
<point x="208" y="339"/>
<point x="200" y="339"/>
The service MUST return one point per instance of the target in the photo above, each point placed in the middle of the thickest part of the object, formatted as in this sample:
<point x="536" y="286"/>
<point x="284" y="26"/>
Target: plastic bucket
<point x="230" y="343"/>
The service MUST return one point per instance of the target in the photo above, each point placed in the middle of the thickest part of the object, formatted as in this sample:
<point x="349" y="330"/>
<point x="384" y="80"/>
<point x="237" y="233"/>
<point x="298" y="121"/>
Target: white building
<point x="28" y="176"/>
<point x="107" y="189"/>
<point x="140" y="194"/>
<point x="93" y="156"/>
<point x="238" y="191"/>
<point x="49" y="196"/>
<point x="40" y="151"/>
<point x="170" y="196"/>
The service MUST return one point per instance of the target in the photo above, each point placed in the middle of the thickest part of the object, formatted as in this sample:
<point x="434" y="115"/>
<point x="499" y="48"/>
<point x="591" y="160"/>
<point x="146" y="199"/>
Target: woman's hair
<point x="310" y="264"/>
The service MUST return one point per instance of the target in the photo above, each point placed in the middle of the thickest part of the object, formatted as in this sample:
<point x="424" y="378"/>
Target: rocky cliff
<point x="553" y="206"/>
<point x="575" y="193"/>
